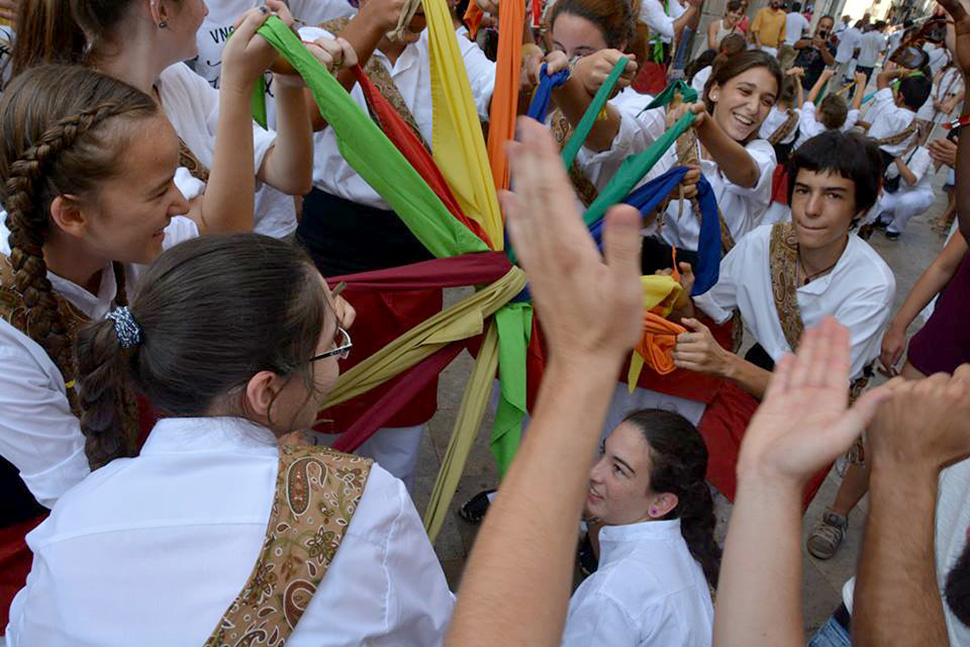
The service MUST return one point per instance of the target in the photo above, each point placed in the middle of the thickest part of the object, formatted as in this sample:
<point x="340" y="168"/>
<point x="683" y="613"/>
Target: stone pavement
<point x="823" y="580"/>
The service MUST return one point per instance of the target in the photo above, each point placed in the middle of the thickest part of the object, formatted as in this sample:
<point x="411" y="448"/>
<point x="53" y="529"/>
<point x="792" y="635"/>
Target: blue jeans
<point x="831" y="634"/>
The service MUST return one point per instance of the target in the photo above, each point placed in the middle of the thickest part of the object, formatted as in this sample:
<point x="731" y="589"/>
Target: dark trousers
<point x="344" y="237"/>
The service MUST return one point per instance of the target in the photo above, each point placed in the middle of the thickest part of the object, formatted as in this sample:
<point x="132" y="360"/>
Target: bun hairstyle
<point x="62" y="131"/>
<point x="725" y="69"/>
<point x="65" y="31"/>
<point x="210" y="313"/>
<point x="678" y="464"/>
<point x="616" y="19"/>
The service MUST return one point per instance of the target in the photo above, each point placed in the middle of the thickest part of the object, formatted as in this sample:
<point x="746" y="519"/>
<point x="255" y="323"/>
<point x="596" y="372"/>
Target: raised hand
<point x="592" y="70"/>
<point x="925" y="424"/>
<point x="591" y="305"/>
<point x="247" y="54"/>
<point x="334" y="54"/>
<point x="804" y="422"/>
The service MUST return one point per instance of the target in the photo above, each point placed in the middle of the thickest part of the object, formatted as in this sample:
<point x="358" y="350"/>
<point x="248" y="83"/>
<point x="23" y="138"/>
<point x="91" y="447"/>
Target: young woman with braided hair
<point x="658" y="557"/>
<point x="143" y="42"/>
<point x="88" y="174"/>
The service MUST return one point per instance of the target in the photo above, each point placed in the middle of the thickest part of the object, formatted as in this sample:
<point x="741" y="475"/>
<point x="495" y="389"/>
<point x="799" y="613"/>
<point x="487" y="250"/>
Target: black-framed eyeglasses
<point x="341" y="346"/>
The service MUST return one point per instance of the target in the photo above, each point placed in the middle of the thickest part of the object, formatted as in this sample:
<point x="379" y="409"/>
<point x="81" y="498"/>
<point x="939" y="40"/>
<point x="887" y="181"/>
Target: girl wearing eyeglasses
<point x="218" y="530"/>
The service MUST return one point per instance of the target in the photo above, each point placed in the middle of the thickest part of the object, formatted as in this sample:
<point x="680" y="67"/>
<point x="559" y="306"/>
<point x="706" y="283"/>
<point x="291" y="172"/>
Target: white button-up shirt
<point x="38" y="432"/>
<point x="411" y="74"/>
<point x="152" y="551"/>
<point x="858" y="292"/>
<point x="742" y="208"/>
<point x="648" y="590"/>
<point x="892" y="119"/>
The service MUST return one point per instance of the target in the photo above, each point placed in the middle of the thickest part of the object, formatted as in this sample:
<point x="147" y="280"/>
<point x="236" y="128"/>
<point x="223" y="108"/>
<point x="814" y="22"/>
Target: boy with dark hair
<point x="896" y="108"/>
<point x="787" y="277"/>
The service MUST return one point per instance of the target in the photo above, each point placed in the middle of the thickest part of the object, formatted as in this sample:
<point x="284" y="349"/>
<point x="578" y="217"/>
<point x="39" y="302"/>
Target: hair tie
<point x="127" y="329"/>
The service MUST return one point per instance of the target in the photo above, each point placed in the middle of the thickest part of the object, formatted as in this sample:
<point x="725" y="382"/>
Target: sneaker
<point x="828" y="535"/>
<point x="892" y="235"/>
<point x="473" y="511"/>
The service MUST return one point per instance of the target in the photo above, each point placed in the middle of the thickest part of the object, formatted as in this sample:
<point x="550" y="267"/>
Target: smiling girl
<point x="658" y="558"/>
<point x="144" y="44"/>
<point x="737" y="98"/>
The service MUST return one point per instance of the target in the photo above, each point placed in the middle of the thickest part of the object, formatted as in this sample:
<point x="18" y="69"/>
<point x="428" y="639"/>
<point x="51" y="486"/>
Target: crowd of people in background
<point x="172" y="323"/>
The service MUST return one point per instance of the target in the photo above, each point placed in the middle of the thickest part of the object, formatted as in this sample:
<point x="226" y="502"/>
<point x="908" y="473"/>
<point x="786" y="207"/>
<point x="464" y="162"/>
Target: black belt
<point x="843" y="617"/>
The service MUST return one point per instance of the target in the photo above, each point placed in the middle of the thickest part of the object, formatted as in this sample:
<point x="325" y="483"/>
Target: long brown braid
<point x="55" y="140"/>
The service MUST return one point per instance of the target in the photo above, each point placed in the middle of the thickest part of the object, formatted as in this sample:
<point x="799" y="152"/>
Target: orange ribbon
<point x="657" y="343"/>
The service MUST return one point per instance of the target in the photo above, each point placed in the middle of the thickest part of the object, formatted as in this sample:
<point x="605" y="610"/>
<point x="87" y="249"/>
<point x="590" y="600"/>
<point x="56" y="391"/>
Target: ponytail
<point x="102" y="363"/>
<point x="209" y="314"/>
<point x="678" y="460"/>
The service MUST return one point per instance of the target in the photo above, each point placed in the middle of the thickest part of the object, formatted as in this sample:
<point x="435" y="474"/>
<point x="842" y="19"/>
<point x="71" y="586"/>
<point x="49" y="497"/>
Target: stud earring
<point x="653" y="512"/>
<point x="163" y="24"/>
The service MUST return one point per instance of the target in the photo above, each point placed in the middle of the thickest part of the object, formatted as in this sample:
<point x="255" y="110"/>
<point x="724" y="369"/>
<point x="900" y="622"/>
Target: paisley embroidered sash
<point x="317" y="493"/>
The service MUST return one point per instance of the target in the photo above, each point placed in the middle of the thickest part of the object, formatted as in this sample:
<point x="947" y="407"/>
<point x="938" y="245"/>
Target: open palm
<point x="804" y="421"/>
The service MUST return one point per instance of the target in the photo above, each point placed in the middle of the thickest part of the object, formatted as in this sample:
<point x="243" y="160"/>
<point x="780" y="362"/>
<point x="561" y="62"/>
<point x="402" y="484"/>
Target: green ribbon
<point x="688" y="94"/>
<point x="514" y="322"/>
<point x="258" y="102"/>
<point x="368" y="150"/>
<point x="633" y="169"/>
<point x="585" y="125"/>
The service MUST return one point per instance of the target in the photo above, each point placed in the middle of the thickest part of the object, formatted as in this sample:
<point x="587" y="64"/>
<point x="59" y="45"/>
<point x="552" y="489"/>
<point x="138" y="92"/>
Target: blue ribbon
<point x="539" y="108"/>
<point x="648" y="197"/>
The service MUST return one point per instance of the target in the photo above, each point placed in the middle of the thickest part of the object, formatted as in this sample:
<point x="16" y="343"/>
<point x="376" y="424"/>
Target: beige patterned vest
<point x="317" y="492"/>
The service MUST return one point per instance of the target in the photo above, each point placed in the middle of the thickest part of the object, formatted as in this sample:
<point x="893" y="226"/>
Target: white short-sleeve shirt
<point x="795" y="26"/>
<point x="648" y="591"/>
<point x="38" y="433"/>
<point x="892" y="119"/>
<point x="858" y="292"/>
<point x="948" y="86"/>
<point x="849" y="41"/>
<point x="871" y="45"/>
<point x="809" y="125"/>
<point x="742" y="208"/>
<point x="192" y="105"/>
<point x="412" y="77"/>
<point x="152" y="551"/>
<point x="919" y="162"/>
